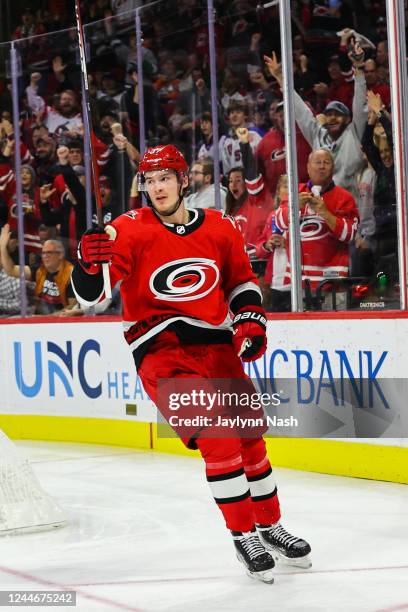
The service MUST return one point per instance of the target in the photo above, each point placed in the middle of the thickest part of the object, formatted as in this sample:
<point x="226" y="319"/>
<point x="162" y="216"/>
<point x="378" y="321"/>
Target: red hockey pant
<point x="237" y="469"/>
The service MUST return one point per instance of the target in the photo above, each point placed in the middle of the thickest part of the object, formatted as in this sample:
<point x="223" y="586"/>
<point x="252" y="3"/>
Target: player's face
<point x="236" y="184"/>
<point x="163" y="189"/>
<point x="320" y="168"/>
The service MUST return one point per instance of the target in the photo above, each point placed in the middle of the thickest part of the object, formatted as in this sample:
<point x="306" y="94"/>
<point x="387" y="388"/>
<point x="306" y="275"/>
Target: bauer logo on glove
<point x="249" y="333"/>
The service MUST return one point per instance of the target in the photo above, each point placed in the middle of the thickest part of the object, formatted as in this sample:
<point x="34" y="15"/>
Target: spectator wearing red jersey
<point x="248" y="200"/>
<point x="271" y="152"/>
<point x="31" y="208"/>
<point x="328" y="223"/>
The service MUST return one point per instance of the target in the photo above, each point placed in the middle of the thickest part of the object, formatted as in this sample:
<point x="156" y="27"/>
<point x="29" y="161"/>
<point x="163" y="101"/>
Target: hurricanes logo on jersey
<point x="184" y="279"/>
<point x="312" y="228"/>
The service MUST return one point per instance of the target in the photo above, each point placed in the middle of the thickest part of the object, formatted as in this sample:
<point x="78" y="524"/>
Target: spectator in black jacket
<point x="377" y="144"/>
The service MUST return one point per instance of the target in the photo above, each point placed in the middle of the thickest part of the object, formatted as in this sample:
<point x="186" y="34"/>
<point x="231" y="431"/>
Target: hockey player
<point x="183" y="273"/>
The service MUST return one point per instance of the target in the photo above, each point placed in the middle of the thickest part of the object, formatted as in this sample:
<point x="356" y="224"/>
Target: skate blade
<point x="267" y="576"/>
<point x="302" y="562"/>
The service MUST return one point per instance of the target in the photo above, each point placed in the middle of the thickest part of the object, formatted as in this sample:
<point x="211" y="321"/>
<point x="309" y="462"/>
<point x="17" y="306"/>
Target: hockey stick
<point x="89" y="129"/>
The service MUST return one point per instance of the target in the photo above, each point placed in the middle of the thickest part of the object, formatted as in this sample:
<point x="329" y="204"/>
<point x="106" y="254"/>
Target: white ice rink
<point x="144" y="535"/>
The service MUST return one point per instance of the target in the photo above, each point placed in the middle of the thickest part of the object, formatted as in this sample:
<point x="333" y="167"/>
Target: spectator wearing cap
<point x="230" y="152"/>
<point x="202" y="185"/>
<point x="271" y="151"/>
<point x="374" y="84"/>
<point x="336" y="132"/>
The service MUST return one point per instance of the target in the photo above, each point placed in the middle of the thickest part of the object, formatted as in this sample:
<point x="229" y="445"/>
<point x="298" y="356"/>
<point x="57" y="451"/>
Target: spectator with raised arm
<point x="65" y="116"/>
<point x="338" y="133"/>
<point x="10" y="303"/>
<point x="379" y="150"/>
<point x="53" y="290"/>
<point x="230" y="151"/>
<point x="249" y="201"/>
<point x="271" y="151"/>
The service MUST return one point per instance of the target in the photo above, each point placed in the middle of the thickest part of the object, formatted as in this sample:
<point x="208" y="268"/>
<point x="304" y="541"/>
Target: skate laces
<point x="282" y="536"/>
<point x="252" y="545"/>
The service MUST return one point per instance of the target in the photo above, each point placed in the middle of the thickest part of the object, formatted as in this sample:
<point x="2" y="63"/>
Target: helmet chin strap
<point x="175" y="208"/>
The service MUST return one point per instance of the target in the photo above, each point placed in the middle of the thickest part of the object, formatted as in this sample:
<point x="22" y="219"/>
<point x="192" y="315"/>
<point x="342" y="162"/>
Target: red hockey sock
<point x="227" y="480"/>
<point x="262" y="484"/>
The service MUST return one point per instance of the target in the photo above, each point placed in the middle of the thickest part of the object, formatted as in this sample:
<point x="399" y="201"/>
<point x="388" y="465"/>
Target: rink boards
<point x="75" y="381"/>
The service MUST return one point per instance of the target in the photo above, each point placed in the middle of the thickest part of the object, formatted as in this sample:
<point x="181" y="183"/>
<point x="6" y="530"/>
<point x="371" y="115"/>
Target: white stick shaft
<point x="106" y="281"/>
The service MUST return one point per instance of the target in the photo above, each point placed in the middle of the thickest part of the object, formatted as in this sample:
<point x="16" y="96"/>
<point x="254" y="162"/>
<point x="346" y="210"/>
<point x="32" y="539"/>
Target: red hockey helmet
<point x="163" y="157"/>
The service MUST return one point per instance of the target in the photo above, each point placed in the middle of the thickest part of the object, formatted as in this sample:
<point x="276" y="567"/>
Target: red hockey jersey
<point x="271" y="157"/>
<point x="253" y="212"/>
<point x="178" y="274"/>
<point x="325" y="252"/>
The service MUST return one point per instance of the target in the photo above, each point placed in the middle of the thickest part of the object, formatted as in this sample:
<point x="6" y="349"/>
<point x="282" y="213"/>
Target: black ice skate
<point x="285" y="547"/>
<point x="258" y="562"/>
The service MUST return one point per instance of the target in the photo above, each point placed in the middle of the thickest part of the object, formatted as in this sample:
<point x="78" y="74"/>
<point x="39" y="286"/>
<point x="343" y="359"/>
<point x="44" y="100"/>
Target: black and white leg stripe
<point x="262" y="486"/>
<point x="230" y="487"/>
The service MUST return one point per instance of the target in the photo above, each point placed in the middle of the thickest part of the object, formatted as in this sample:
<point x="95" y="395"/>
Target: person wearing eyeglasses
<point x="52" y="278"/>
<point x="202" y="185"/>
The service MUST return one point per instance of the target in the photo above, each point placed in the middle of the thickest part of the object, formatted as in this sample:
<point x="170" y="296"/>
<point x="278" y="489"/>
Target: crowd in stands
<point x="343" y="113"/>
